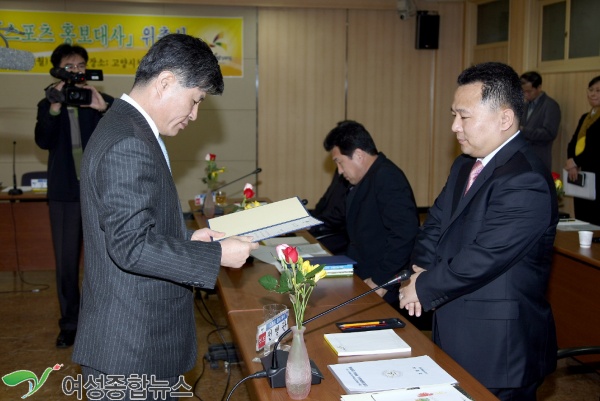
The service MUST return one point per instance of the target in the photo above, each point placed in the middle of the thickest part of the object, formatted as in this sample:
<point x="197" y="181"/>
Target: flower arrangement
<point x="247" y="202"/>
<point x="558" y="184"/>
<point x="212" y="171"/>
<point x="298" y="278"/>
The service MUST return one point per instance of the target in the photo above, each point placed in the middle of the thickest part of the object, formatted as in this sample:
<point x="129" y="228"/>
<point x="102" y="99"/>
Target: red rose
<point x="555" y="176"/>
<point x="291" y="254"/>
<point x="212" y="157"/>
<point x="248" y="191"/>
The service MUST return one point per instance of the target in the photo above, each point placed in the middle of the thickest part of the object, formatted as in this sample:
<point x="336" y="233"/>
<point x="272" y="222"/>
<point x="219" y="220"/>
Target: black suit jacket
<point x="382" y="221"/>
<point x="53" y="133"/>
<point x="488" y="256"/>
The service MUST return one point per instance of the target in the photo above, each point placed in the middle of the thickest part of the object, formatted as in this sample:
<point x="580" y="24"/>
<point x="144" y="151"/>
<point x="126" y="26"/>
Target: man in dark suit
<point x="541" y="117"/>
<point x="482" y="259"/>
<point x="381" y="214"/>
<point x="141" y="263"/>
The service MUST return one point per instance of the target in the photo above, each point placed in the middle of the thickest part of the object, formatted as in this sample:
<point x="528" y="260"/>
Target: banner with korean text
<point x="116" y="43"/>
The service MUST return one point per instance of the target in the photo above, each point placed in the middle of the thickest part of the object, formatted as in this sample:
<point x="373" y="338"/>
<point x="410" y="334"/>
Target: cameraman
<point x="64" y="130"/>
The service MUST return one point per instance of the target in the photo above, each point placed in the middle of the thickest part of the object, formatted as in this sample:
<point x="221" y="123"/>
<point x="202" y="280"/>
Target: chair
<point x="27" y="177"/>
<point x="577" y="351"/>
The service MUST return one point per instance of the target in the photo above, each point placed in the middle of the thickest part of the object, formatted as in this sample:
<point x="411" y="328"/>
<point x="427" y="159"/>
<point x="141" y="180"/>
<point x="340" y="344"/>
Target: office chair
<point x="577" y="351"/>
<point x="27" y="177"/>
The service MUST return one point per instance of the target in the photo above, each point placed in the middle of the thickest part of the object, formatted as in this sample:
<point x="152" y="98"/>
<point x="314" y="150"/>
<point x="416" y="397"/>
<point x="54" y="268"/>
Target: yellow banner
<point x="116" y="43"/>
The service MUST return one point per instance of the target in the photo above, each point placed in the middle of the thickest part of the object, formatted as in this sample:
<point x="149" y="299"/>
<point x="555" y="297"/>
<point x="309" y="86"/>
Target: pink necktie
<point x="477" y="167"/>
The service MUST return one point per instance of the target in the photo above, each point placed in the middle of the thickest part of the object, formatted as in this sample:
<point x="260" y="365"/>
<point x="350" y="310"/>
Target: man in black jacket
<point x="381" y="213"/>
<point x="64" y="131"/>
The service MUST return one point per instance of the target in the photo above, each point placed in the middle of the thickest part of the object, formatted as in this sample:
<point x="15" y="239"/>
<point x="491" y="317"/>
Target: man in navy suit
<point x="482" y="259"/>
<point x="141" y="263"/>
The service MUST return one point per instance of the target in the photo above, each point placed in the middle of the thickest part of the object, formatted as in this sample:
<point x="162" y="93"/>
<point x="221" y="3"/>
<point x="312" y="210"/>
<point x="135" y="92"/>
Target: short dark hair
<point x="66" y="50"/>
<point x="593" y="81"/>
<point x="501" y="86"/>
<point x="189" y="58"/>
<point x="348" y="136"/>
<point x="531" y="77"/>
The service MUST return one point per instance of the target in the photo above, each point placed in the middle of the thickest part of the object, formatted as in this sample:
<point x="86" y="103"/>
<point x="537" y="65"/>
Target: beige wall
<point x="226" y="125"/>
<point x="309" y="65"/>
<point x="318" y="67"/>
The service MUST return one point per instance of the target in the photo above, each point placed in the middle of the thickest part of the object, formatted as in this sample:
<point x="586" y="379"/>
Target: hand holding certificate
<point x="266" y="221"/>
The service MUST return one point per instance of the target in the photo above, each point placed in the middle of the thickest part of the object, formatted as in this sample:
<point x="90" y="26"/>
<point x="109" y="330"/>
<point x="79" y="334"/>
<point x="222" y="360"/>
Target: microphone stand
<point x="276" y="374"/>
<point x="15" y="190"/>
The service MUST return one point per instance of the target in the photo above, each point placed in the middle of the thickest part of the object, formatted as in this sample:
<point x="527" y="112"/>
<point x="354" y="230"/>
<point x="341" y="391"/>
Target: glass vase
<point x="298" y="375"/>
<point x="208" y="208"/>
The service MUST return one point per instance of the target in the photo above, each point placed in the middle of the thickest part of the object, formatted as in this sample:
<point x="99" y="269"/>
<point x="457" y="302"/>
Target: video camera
<point x="73" y="95"/>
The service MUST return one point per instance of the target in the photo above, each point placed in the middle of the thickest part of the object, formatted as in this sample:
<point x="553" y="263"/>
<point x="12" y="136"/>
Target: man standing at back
<point x="482" y="259"/>
<point x="141" y="263"/>
<point x="541" y="117"/>
<point x="381" y="214"/>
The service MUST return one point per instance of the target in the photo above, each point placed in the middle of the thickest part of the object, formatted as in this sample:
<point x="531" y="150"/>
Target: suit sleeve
<point x="47" y="127"/>
<point x="142" y="224"/>
<point x="423" y="254"/>
<point x="400" y="220"/>
<point x="494" y="236"/>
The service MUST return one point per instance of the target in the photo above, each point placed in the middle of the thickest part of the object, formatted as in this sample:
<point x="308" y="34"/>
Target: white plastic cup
<point x="585" y="238"/>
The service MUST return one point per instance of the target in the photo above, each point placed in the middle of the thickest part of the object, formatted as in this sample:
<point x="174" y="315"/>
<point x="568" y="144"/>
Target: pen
<point x="362" y="324"/>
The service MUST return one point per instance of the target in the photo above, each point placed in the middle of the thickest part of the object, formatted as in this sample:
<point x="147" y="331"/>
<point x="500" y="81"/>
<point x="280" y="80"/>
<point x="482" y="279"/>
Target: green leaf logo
<point x="20" y="376"/>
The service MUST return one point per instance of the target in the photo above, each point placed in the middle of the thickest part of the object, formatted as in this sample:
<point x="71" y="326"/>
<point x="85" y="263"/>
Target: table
<point x="25" y="235"/>
<point x="243" y="298"/>
<point x="573" y="292"/>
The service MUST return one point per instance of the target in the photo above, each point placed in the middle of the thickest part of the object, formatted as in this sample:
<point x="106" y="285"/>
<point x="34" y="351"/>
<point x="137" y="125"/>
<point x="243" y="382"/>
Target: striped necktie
<point x="477" y="167"/>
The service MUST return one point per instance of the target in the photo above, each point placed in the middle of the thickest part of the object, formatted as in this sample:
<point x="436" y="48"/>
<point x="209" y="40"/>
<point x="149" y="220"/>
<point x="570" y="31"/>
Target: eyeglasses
<point x="73" y="67"/>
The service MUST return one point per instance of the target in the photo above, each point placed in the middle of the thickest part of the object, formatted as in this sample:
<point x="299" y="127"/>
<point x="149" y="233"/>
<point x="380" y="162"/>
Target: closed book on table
<point x="367" y="343"/>
<point x="333" y="262"/>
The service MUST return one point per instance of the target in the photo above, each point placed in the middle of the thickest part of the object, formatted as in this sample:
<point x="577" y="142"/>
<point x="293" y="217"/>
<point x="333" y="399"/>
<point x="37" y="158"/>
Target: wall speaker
<point x="428" y="30"/>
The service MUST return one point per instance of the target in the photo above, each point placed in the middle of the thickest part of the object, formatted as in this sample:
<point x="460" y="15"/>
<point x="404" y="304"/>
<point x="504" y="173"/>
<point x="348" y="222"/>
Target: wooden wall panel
<point x="389" y="91"/>
<point x="403" y="95"/>
<point x="493" y="52"/>
<point x="302" y="68"/>
<point x="449" y="64"/>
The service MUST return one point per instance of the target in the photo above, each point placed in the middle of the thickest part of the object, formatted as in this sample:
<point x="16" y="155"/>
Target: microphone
<point x="258" y="170"/>
<point x="11" y="59"/>
<point x="276" y="373"/>
<point x="14" y="190"/>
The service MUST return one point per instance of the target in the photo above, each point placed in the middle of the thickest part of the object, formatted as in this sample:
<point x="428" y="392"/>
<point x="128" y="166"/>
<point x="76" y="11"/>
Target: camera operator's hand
<point x="55" y="106"/>
<point x="98" y="102"/>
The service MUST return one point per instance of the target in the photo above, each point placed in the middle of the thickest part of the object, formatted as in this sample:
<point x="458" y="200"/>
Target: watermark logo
<point x="20" y="376"/>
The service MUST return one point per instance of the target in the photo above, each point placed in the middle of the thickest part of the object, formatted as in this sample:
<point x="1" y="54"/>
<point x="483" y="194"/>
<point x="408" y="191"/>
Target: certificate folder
<point x="265" y="221"/>
<point x="585" y="191"/>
